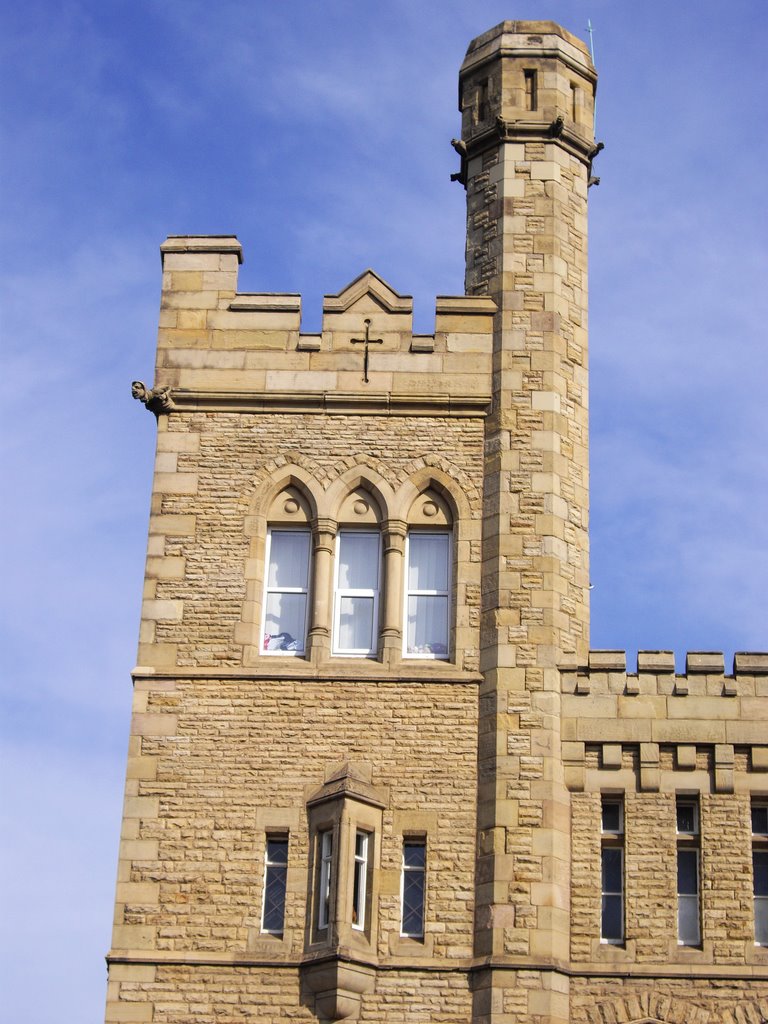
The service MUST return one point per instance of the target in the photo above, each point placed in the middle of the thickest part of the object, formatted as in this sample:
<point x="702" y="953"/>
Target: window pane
<point x="612" y="870"/>
<point x="289" y="559"/>
<point x="358" y="561"/>
<point x="428" y="561"/>
<point x="612" y="925"/>
<point x="274" y="885"/>
<point x="413" y="903"/>
<point x="760" y="870"/>
<point x="277" y="851"/>
<point x="359" y="880"/>
<point x="427" y="631"/>
<point x="361" y="844"/>
<point x="761" y="920"/>
<point x="686" y="818"/>
<point x="324" y="880"/>
<point x="687" y="873"/>
<point x="414" y="854"/>
<point x="612" y="817"/>
<point x="285" y="622"/>
<point x="688" y="920"/>
<point x="760" y="819"/>
<point x="356" y="624"/>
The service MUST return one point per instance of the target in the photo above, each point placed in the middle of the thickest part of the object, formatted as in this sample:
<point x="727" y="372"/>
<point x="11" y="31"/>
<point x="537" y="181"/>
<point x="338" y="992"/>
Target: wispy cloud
<point x="320" y="133"/>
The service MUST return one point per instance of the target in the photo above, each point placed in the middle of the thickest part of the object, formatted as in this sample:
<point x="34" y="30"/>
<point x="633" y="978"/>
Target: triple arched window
<point x="362" y="582"/>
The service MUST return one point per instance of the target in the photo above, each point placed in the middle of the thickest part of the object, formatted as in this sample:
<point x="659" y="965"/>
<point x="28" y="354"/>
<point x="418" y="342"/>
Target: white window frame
<point x="269" y="866"/>
<point x="339" y="593"/>
<point x="324" y="878"/>
<point x="408" y="593"/>
<point x="612" y="839"/>
<point x="406" y="869"/>
<point x="286" y="590"/>
<point x="360" y="879"/>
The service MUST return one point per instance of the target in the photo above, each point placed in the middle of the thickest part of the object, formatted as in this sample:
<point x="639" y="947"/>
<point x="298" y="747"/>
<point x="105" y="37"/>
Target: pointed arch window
<point x="428" y="585"/>
<point x="357" y="577"/>
<point x="288" y="563"/>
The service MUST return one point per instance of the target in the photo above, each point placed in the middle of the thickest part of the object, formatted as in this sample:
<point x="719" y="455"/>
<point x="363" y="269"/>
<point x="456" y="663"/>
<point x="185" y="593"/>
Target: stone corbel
<point x="650" y="772"/>
<point x="724" y="767"/>
<point x="336" y="987"/>
<point x="574" y="765"/>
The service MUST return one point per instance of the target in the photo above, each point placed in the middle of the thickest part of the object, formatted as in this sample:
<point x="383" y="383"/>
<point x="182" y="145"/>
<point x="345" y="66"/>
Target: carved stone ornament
<point x="157" y="400"/>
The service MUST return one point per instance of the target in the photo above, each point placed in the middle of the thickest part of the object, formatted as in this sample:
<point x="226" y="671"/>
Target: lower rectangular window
<point x="275" y="877"/>
<point x="612" y="911"/>
<point x="760" y="869"/>
<point x="688" y="882"/>
<point x="612" y="870"/>
<point x="324" y="879"/>
<point x="760" y="876"/>
<point x="360" y="879"/>
<point x="688" y="928"/>
<point x="413" y="885"/>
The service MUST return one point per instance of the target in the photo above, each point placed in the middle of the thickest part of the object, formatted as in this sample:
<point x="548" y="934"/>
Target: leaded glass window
<point x="414" y="876"/>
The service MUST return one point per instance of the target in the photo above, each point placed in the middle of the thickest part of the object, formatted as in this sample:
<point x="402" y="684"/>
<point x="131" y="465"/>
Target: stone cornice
<point x="458" y="966"/>
<point x="372" y="672"/>
<point x="559" y="132"/>
<point x="326" y="402"/>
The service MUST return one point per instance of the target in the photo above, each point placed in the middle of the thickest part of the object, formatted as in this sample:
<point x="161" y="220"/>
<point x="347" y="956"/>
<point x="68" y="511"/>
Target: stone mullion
<point x="324" y="540"/>
<point x="394" y="533"/>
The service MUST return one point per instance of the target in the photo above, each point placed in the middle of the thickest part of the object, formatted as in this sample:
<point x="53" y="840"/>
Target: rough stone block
<point x="607" y="661"/>
<point x="705" y="661"/>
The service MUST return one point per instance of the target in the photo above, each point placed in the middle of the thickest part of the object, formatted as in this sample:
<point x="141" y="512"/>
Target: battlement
<point x="706" y="721"/>
<point x="606" y="674"/>
<point x="214" y="341"/>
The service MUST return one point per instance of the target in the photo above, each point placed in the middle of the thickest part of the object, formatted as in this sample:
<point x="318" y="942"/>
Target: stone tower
<point x="527" y="99"/>
<point x="375" y="773"/>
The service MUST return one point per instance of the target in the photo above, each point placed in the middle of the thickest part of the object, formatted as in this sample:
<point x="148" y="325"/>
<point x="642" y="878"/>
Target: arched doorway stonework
<point x="662" y="1008"/>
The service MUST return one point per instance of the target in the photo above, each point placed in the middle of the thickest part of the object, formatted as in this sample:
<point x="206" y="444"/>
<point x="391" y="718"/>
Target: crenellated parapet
<point x="606" y="674"/>
<point x="645" y="730"/>
<point x="220" y="348"/>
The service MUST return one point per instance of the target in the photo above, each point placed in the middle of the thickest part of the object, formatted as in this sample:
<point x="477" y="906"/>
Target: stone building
<point x="375" y="772"/>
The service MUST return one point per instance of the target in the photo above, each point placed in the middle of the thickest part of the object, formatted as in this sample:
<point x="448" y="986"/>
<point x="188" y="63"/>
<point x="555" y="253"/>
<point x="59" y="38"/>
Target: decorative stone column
<point x="394" y="532"/>
<point x="324" y="539"/>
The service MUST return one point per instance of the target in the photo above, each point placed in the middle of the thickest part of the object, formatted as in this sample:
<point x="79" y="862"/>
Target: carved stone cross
<point x="366" y="341"/>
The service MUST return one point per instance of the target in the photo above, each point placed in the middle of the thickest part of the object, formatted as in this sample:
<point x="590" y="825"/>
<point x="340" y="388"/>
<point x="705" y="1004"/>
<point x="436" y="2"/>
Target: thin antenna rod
<point x="592" y="54"/>
<point x="591" y="39"/>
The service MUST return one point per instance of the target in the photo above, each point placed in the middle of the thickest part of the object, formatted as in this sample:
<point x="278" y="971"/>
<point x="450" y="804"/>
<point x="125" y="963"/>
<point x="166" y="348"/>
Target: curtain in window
<point x="359" y="561"/>
<point x="428" y="561"/>
<point x="427" y="602"/>
<point x="287" y="587"/>
<point x="357" y="591"/>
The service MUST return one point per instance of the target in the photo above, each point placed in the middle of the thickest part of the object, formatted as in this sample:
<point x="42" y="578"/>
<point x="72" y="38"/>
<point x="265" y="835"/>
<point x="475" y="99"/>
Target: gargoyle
<point x="591" y="179"/>
<point x="157" y="400"/>
<point x="461" y="148"/>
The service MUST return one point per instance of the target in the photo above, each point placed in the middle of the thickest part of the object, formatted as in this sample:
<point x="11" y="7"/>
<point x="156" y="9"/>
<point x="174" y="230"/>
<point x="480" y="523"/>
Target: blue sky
<point x="319" y="134"/>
